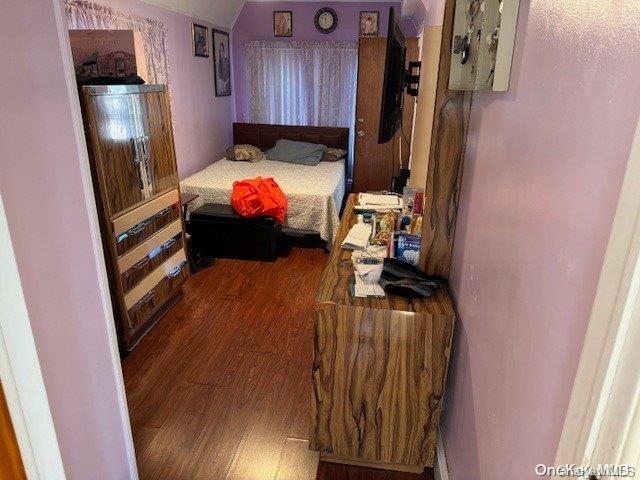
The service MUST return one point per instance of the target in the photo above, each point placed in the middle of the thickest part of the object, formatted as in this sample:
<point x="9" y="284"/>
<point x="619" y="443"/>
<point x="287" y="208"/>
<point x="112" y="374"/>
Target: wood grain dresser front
<point x="379" y="370"/>
<point x="132" y="156"/>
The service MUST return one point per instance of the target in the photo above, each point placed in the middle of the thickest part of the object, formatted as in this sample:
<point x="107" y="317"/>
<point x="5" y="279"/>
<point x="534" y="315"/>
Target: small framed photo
<point x="369" y="24"/>
<point x="221" y="63"/>
<point x="200" y="40"/>
<point x="282" y="24"/>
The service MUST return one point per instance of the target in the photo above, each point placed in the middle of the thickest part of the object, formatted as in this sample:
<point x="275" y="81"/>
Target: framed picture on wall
<point x="369" y="24"/>
<point x="221" y="63"/>
<point x="200" y="39"/>
<point x="282" y="24"/>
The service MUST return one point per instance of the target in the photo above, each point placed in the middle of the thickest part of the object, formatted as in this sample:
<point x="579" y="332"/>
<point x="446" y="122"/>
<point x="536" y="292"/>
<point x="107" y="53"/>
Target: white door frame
<point x="602" y="425"/>
<point x="20" y="372"/>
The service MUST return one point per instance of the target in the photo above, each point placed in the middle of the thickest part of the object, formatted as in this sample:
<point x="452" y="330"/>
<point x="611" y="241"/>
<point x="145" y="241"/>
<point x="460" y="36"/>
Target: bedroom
<point x="230" y="292"/>
<point x="178" y="329"/>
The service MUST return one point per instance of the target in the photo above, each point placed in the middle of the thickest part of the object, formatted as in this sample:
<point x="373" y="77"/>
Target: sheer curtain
<point x="302" y="83"/>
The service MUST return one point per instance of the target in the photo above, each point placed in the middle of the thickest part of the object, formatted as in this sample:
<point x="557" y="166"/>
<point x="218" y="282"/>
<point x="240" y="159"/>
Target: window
<point x="302" y="83"/>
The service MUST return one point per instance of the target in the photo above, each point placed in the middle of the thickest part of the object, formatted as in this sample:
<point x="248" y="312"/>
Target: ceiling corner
<point x="222" y="13"/>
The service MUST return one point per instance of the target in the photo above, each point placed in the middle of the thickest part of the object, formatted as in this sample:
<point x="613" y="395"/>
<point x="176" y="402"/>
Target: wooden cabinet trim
<point x="132" y="257"/>
<point x="128" y="220"/>
<point x="140" y="290"/>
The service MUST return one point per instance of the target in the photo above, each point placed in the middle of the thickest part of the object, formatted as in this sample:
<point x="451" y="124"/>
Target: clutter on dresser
<point x="400" y="278"/>
<point x="387" y="229"/>
<point x="358" y="237"/>
<point x="384" y="224"/>
<point x="401" y="332"/>
<point x="405" y="247"/>
<point x="378" y="201"/>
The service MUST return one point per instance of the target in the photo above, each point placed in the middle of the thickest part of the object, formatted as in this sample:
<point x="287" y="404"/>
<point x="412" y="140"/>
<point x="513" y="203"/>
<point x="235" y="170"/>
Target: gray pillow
<point x="301" y="153"/>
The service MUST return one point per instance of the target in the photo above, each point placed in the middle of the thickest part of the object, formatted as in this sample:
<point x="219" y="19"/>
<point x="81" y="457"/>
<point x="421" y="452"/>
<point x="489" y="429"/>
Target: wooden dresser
<point x="379" y="370"/>
<point x="133" y="163"/>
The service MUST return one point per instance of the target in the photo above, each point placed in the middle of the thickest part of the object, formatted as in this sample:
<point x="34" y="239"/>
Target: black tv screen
<point x="394" y="81"/>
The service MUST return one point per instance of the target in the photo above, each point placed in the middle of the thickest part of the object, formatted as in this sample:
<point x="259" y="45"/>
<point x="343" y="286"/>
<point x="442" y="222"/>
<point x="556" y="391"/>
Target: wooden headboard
<point x="265" y="136"/>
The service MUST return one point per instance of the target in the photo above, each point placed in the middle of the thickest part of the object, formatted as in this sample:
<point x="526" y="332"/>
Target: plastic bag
<point x="259" y="197"/>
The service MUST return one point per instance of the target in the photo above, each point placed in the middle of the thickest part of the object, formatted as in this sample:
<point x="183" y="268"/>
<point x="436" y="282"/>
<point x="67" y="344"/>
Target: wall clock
<point x="326" y="20"/>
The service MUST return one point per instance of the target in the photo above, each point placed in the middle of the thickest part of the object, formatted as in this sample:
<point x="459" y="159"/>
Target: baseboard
<point x="441" y="469"/>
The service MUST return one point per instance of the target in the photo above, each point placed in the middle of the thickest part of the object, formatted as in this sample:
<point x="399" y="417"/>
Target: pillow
<point x="333" y="154"/>
<point x="244" y="153"/>
<point x="301" y="153"/>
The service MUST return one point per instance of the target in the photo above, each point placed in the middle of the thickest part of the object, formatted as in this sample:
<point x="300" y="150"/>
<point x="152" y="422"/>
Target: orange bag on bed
<point x="259" y="197"/>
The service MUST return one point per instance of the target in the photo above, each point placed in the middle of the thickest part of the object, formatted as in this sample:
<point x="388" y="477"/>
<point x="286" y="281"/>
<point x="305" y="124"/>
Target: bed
<point x="315" y="194"/>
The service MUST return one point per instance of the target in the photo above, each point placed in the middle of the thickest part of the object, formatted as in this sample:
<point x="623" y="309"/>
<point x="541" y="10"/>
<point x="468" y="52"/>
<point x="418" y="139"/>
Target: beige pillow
<point x="245" y="153"/>
<point x="333" y="155"/>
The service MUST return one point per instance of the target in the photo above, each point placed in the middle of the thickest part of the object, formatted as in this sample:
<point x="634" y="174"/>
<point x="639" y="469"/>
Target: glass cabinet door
<point x="159" y="141"/>
<point x="116" y="137"/>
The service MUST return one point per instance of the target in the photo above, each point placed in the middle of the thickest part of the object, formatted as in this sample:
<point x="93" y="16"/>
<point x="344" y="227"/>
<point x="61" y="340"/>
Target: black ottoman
<point x="217" y="230"/>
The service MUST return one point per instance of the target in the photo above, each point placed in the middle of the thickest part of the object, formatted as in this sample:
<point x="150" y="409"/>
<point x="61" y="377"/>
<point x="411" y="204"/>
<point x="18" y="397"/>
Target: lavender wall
<point x="202" y="122"/>
<point x="542" y="176"/>
<point x="255" y="22"/>
<point x="41" y="186"/>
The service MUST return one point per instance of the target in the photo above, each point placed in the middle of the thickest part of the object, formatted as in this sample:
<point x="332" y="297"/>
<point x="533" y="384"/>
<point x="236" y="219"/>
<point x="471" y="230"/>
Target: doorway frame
<point x="20" y="372"/>
<point x="604" y="409"/>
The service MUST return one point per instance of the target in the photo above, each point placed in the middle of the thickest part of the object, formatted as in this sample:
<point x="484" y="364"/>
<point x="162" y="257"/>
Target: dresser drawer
<point x="170" y="277"/>
<point x="156" y="257"/>
<point x="131" y="238"/>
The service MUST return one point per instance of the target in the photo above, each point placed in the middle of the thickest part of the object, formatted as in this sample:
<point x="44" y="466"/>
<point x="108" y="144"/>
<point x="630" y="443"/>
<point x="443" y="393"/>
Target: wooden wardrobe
<point x="135" y="178"/>
<point x="375" y="164"/>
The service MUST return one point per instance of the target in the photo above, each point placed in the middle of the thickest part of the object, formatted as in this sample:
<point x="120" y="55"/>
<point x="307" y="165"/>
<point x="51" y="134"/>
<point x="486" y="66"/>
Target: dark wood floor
<point x="220" y="388"/>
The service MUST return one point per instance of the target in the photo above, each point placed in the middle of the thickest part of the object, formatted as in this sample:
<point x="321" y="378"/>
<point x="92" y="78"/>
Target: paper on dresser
<point x="377" y="199"/>
<point x="358" y="237"/>
<point x="364" y="289"/>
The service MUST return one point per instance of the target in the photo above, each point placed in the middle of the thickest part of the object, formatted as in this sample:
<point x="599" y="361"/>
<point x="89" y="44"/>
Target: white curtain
<point x="82" y="14"/>
<point x="302" y="83"/>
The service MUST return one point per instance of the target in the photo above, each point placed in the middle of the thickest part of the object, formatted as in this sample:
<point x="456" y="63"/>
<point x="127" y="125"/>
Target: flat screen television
<point x="394" y="81"/>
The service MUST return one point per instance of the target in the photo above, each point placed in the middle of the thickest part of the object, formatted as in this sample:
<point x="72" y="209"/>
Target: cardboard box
<point x="108" y="53"/>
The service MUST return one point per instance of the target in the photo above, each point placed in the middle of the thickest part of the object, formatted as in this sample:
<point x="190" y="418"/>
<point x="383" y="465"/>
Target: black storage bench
<point x="218" y="231"/>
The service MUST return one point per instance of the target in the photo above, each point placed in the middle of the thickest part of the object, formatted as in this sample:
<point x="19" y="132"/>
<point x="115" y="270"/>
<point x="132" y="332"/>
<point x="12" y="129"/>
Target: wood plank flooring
<point x="219" y="390"/>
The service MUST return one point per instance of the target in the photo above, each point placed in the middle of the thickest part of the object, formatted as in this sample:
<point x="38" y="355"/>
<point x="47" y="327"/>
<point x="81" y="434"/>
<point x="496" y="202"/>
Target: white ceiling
<point x="224" y="13"/>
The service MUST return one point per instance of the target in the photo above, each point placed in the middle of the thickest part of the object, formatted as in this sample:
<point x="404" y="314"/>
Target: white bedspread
<point x="315" y="194"/>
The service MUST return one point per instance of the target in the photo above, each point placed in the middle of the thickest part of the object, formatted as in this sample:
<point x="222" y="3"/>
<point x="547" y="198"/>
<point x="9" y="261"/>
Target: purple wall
<point x="255" y="22"/>
<point x="202" y="122"/>
<point x="41" y="186"/>
<point x="42" y="190"/>
<point x="543" y="171"/>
